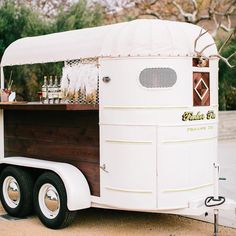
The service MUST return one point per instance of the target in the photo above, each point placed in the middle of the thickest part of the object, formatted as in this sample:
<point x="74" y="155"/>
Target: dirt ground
<point x="99" y="222"/>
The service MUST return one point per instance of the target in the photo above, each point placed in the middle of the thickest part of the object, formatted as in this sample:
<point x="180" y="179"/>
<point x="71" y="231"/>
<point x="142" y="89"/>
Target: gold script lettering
<point x="189" y="116"/>
<point x="211" y="115"/>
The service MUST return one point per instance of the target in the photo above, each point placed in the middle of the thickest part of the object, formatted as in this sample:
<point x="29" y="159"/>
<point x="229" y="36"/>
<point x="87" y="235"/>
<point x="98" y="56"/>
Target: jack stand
<point x="216" y="219"/>
<point x="216" y="198"/>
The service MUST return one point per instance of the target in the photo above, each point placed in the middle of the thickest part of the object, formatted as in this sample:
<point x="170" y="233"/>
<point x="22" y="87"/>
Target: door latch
<point x="103" y="167"/>
<point x="106" y="79"/>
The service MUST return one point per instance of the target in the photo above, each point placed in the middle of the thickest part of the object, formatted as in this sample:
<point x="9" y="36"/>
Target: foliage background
<point x="22" y="18"/>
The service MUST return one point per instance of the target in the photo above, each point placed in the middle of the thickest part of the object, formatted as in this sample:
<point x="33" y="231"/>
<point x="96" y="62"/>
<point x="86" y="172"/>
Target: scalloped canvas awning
<point x="144" y="37"/>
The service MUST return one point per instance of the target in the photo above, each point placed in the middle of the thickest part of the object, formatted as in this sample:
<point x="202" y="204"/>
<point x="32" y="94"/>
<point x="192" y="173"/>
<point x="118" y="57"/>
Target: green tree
<point x="28" y="79"/>
<point x="227" y="79"/>
<point x="19" y="21"/>
<point x="80" y="15"/>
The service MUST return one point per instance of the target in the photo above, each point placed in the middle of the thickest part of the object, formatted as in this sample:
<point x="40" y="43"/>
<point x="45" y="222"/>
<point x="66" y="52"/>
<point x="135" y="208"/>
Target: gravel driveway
<point x="99" y="222"/>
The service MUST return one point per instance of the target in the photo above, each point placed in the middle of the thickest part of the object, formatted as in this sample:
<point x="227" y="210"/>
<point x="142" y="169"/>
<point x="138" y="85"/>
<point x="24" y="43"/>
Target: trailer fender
<point x="76" y="185"/>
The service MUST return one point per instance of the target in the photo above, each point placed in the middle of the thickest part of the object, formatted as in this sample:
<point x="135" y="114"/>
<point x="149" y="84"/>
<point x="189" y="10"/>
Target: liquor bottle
<point x="50" y="90"/>
<point x="55" y="94"/>
<point x="60" y="94"/>
<point x="45" y="90"/>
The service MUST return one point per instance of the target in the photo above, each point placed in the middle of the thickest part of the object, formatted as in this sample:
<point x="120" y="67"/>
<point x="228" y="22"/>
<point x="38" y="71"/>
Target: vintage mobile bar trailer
<point x="151" y="143"/>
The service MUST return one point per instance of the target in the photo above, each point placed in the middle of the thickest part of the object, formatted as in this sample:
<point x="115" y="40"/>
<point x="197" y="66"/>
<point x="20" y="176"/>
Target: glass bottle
<point x="59" y="90"/>
<point x="45" y="90"/>
<point x="55" y="90"/>
<point x="50" y="90"/>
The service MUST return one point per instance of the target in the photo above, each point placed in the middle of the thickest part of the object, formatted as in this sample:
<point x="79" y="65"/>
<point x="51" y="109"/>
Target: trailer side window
<point x="158" y="77"/>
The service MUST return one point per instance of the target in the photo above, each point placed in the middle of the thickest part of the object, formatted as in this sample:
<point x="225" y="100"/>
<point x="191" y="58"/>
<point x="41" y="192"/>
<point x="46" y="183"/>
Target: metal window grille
<point x="73" y="94"/>
<point x="158" y="77"/>
<point x="92" y="60"/>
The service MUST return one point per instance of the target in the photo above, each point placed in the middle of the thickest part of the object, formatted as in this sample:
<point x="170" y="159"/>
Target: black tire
<point x="62" y="217"/>
<point x="24" y="205"/>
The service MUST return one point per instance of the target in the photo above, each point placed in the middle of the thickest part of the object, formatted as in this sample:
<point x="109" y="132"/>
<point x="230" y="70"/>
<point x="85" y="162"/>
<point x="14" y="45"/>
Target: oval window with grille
<point x="158" y="77"/>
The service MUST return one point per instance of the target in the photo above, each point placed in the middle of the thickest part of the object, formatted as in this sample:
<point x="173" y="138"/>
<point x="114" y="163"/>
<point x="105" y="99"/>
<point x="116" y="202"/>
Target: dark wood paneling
<point x="44" y="107"/>
<point x="71" y="137"/>
<point x="201" y="89"/>
<point x="200" y="62"/>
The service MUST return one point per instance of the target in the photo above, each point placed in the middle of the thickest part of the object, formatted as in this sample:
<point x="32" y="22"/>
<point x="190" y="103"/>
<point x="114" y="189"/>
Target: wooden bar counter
<point x="46" y="107"/>
<point x="56" y="132"/>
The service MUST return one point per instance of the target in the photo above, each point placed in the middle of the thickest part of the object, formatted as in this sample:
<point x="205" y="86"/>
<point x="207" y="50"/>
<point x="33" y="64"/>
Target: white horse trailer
<point x="157" y="124"/>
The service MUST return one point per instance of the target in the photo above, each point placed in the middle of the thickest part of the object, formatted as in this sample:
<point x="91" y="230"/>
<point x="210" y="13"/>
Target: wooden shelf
<point x="47" y="107"/>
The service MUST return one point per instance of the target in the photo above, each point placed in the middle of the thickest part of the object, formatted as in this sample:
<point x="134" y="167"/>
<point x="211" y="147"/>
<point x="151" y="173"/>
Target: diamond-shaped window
<point x="201" y="89"/>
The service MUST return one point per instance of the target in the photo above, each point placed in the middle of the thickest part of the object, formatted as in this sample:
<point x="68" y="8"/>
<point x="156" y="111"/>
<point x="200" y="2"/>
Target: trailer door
<point x="127" y="149"/>
<point x="128" y="166"/>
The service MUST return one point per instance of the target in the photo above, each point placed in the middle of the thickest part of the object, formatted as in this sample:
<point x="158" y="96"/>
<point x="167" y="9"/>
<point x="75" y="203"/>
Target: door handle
<point x="103" y="167"/>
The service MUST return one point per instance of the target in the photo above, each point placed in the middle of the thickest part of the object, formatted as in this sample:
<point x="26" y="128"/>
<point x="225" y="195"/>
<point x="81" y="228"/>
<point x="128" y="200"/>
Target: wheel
<point x="50" y="201"/>
<point x="16" y="191"/>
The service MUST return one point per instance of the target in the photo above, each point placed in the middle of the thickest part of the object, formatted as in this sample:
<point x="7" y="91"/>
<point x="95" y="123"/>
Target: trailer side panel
<point x="64" y="136"/>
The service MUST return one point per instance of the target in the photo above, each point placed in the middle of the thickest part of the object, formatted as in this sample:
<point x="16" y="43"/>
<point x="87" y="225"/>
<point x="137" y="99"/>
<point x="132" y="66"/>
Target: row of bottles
<point x="51" y="90"/>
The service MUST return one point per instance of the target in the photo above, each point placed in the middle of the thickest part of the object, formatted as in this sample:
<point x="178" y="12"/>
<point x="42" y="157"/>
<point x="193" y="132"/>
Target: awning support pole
<point x="2" y="78"/>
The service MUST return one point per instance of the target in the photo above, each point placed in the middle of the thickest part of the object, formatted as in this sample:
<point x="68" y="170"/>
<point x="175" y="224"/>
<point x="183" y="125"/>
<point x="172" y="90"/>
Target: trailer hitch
<point x="212" y="201"/>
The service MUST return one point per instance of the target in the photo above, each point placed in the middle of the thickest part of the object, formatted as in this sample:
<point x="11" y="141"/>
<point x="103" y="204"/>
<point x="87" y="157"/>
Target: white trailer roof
<point x="144" y="37"/>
